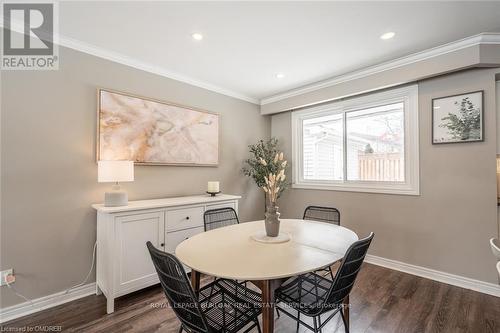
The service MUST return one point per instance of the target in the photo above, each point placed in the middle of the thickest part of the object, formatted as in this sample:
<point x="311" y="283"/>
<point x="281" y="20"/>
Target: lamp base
<point x="115" y="198"/>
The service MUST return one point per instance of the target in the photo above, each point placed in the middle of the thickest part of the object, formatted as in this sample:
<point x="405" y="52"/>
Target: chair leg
<point x="298" y="321"/>
<point x="258" y="326"/>
<point x="250" y="329"/>
<point x="277" y="312"/>
<point x="212" y="289"/>
<point x="246" y="286"/>
<point x="315" y="325"/>
<point x="319" y="324"/>
<point x="344" y="321"/>
<point x="180" y="329"/>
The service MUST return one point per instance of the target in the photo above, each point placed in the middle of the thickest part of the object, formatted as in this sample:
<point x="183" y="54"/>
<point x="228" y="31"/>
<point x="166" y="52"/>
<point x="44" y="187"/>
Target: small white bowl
<point x="495" y="247"/>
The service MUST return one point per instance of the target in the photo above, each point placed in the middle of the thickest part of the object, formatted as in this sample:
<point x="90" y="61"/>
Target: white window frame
<point x="411" y="186"/>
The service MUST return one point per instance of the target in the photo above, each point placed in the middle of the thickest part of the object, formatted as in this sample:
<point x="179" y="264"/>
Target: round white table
<point x="231" y="252"/>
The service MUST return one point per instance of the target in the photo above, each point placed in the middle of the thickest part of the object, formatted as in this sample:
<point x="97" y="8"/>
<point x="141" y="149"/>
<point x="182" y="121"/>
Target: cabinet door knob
<point x="187" y="217"/>
<point x="162" y="244"/>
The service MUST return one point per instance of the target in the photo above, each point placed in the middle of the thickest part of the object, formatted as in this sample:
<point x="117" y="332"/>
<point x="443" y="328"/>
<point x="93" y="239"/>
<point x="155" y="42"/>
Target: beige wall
<point x="447" y="227"/>
<point x="48" y="124"/>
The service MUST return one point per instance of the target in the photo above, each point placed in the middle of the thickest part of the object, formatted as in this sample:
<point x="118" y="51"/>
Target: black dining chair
<point x="220" y="217"/>
<point x="313" y="295"/>
<point x="220" y="306"/>
<point x="322" y="214"/>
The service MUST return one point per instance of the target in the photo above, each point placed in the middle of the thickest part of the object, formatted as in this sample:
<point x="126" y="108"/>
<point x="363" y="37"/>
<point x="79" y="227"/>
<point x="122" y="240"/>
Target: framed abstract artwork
<point x="458" y="118"/>
<point x="153" y="132"/>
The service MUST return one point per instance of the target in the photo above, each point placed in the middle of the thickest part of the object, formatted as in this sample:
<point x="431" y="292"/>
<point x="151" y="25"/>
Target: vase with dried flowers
<point x="268" y="167"/>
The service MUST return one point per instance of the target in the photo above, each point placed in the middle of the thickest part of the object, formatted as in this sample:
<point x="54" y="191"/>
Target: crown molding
<point x="132" y="62"/>
<point x="120" y="58"/>
<point x="480" y="39"/>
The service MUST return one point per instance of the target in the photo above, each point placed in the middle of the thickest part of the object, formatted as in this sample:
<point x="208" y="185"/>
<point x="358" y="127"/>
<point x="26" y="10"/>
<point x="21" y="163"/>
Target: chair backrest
<point x="322" y="214"/>
<point x="178" y="291"/>
<point x="348" y="271"/>
<point x="220" y="217"/>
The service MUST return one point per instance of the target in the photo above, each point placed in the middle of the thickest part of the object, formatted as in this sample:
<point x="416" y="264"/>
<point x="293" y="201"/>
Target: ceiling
<point x="246" y="44"/>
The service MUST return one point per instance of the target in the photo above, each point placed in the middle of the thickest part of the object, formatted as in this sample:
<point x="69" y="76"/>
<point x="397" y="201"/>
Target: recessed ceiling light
<point x="197" y="36"/>
<point x="388" y="35"/>
<point x="280" y="75"/>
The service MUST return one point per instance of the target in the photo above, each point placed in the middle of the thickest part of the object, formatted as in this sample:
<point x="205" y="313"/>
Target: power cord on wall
<point x="88" y="274"/>
<point x="11" y="278"/>
<point x="8" y="280"/>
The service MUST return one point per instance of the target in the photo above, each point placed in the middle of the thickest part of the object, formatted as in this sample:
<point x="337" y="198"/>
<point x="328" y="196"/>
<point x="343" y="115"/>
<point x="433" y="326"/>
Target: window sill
<point x="402" y="189"/>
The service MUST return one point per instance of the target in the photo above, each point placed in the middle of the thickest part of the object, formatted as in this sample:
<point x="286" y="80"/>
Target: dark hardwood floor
<point x="383" y="300"/>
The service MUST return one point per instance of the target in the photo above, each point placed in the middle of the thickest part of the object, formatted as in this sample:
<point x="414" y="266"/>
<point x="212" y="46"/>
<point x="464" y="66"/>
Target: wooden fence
<point x="381" y="167"/>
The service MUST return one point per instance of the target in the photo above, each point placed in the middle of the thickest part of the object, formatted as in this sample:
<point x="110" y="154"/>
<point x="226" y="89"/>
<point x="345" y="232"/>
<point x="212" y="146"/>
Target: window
<point x="365" y="144"/>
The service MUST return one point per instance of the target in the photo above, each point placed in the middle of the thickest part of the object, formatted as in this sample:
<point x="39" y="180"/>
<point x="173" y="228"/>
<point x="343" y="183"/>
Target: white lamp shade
<point x="115" y="171"/>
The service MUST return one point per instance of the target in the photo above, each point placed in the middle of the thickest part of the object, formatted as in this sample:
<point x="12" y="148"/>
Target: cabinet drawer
<point x="184" y="218"/>
<point x="222" y="205"/>
<point x="175" y="238"/>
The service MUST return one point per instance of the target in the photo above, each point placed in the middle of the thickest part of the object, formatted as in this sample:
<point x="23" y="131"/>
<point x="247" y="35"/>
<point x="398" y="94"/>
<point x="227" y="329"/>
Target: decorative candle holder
<point x="213" y="194"/>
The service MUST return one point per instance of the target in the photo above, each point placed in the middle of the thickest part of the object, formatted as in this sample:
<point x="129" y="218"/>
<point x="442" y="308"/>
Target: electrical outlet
<point x="4" y="274"/>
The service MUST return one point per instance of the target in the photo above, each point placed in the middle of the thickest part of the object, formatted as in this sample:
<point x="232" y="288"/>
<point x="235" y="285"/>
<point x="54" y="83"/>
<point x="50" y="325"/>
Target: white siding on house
<point x="367" y="144"/>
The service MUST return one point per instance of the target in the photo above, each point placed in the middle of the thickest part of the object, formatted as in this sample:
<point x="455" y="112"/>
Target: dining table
<point x="243" y="252"/>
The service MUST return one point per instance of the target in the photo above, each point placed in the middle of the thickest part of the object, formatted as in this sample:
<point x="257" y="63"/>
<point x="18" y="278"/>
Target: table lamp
<point x="114" y="172"/>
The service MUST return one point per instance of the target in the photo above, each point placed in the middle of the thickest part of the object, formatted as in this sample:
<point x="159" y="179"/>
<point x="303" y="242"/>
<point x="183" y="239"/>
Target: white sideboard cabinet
<point x="123" y="262"/>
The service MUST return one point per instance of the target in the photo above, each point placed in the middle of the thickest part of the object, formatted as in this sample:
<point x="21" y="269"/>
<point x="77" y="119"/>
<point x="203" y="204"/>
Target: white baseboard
<point x="455" y="280"/>
<point x="42" y="303"/>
